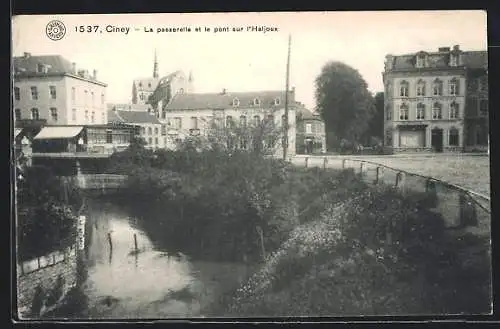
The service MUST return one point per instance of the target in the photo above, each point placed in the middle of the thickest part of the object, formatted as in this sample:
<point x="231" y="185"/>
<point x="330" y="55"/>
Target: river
<point x="150" y="283"/>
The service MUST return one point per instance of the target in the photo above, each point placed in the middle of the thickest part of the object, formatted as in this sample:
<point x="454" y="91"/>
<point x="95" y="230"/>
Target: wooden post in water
<point x="325" y="163"/>
<point x="261" y="236"/>
<point x="135" y="243"/>
<point x="110" y="243"/>
<point x="343" y="163"/>
<point x="307" y="162"/>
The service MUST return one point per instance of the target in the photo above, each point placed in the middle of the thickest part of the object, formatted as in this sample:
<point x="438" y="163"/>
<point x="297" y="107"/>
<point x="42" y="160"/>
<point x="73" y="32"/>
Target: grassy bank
<point x="332" y="245"/>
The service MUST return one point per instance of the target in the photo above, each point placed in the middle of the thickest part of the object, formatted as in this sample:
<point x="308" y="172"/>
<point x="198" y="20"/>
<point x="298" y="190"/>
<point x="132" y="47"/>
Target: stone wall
<point x="44" y="281"/>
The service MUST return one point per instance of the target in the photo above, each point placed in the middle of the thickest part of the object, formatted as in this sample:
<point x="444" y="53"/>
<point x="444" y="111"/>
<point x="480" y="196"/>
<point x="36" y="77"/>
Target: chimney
<point x="94" y="74"/>
<point x="86" y="74"/>
<point x="456" y="47"/>
<point x="444" y="49"/>
<point x="389" y="60"/>
<point x="73" y="67"/>
<point x="27" y="55"/>
<point x="224" y="91"/>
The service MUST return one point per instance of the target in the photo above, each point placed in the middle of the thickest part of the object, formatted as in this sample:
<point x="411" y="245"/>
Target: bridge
<point x="101" y="183"/>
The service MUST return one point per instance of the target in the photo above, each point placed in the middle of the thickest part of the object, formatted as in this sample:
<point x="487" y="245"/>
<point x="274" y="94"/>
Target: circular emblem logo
<point x="55" y="30"/>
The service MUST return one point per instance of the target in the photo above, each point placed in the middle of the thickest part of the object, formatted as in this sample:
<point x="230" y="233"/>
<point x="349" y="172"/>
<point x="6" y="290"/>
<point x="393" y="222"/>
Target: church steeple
<point x="155" y="67"/>
<point x="190" y="79"/>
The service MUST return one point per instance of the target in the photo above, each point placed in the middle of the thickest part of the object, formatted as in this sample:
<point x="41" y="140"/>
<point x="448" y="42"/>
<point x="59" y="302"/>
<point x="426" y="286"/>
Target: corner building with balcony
<point x="436" y="101"/>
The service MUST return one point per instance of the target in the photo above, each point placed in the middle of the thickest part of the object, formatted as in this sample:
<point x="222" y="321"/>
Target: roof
<point x="132" y="117"/>
<point x="168" y="78"/>
<point x="146" y="84"/>
<point x="59" y="132"/>
<point x="129" y="107"/>
<point x="56" y="65"/>
<point x="17" y="131"/>
<point x="305" y="114"/>
<point x="470" y="59"/>
<point x="224" y="100"/>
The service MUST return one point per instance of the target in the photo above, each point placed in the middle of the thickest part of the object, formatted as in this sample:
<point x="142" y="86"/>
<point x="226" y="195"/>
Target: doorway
<point x="437" y="140"/>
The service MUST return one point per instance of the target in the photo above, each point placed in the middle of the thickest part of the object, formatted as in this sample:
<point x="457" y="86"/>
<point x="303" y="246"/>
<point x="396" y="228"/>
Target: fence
<point x="459" y="206"/>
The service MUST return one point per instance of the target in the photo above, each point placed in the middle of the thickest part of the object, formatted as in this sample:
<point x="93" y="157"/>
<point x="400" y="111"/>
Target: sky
<point x="246" y="60"/>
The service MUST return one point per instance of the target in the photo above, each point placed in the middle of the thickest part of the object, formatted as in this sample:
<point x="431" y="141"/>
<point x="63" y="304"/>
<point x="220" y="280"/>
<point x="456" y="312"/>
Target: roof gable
<point x="134" y="117"/>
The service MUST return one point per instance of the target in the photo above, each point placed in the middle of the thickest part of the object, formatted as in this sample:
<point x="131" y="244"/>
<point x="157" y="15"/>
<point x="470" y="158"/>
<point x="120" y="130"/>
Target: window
<point x="437" y="89"/>
<point x="388" y="137"/>
<point x="420" y="61"/>
<point x="403" y="89"/>
<point x="85" y="97"/>
<point x="73" y="94"/>
<point x="86" y="116"/>
<point x="277" y="101"/>
<point x="420" y="111"/>
<point x="308" y="128"/>
<point x="421" y="88"/>
<point x="35" y="115"/>
<point x="403" y="112"/>
<point x="163" y="114"/>
<point x="229" y="122"/>
<point x="17" y="114"/>
<point x="150" y="140"/>
<point x="181" y="91"/>
<point x="103" y="118"/>
<point x="481" y="84"/>
<point x="156" y="140"/>
<point x="194" y="123"/>
<point x="178" y="123"/>
<point x="150" y="131"/>
<point x="53" y="93"/>
<point x="17" y="94"/>
<point x="453" y="137"/>
<point x="483" y="107"/>
<point x="53" y="114"/>
<point x="437" y="112"/>
<point x="163" y="130"/>
<point x="156" y="130"/>
<point x="454" y="90"/>
<point x="149" y="84"/>
<point x="73" y="114"/>
<point x="109" y="136"/>
<point x="243" y="121"/>
<point x="140" y="84"/>
<point x="256" y="120"/>
<point x="256" y="102"/>
<point x="92" y="117"/>
<point x="388" y="112"/>
<point x="454" y="110"/>
<point x="143" y="130"/>
<point x="92" y="98"/>
<point x="141" y="96"/>
<point x="34" y="93"/>
<point x="102" y="99"/>
<point x="270" y="119"/>
<point x="236" y="102"/>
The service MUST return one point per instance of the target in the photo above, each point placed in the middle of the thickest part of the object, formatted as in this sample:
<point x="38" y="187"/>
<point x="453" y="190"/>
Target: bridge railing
<point x="459" y="206"/>
<point x="101" y="181"/>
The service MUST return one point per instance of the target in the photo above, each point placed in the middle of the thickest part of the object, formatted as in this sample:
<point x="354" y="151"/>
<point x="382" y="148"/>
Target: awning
<point x="58" y="132"/>
<point x="17" y="131"/>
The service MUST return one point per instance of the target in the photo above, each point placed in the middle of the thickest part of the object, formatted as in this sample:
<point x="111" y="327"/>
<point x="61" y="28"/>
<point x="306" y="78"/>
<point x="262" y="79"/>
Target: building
<point x="168" y="86"/>
<point x="436" y="101"/>
<point x="311" y="134"/>
<point x="192" y="114"/>
<point x="143" y="88"/>
<point x="150" y="128"/>
<point x="50" y="88"/>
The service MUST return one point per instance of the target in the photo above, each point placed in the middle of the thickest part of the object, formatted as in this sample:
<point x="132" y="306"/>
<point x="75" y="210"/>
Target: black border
<point x="138" y="6"/>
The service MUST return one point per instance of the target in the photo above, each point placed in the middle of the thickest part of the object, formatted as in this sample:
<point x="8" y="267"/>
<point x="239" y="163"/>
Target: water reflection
<point x="129" y="278"/>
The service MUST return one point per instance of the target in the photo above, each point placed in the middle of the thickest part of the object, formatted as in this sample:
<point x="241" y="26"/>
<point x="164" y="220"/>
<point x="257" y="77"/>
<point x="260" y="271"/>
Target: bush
<point x="342" y="265"/>
<point x="46" y="207"/>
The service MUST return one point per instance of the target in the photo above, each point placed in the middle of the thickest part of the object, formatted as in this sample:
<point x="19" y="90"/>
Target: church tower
<point x="155" y="67"/>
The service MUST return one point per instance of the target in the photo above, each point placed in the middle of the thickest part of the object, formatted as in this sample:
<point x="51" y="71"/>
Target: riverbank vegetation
<point x="45" y="212"/>
<point x="330" y="244"/>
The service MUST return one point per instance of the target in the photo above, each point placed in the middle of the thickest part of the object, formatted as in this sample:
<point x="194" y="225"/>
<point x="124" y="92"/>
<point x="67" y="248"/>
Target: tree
<point x="344" y="102"/>
<point x="375" y="129"/>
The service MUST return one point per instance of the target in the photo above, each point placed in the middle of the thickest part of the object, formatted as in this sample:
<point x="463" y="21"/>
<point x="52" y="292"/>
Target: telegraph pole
<point x="285" y="126"/>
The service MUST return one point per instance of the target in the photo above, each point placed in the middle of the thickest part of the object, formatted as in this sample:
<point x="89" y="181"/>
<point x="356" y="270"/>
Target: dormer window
<point x="149" y="85"/>
<point x="454" y="60"/>
<point x="277" y="101"/>
<point x="140" y="84"/>
<point x="41" y="68"/>
<point x="420" y="60"/>
<point x="236" y="102"/>
<point x="256" y="102"/>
